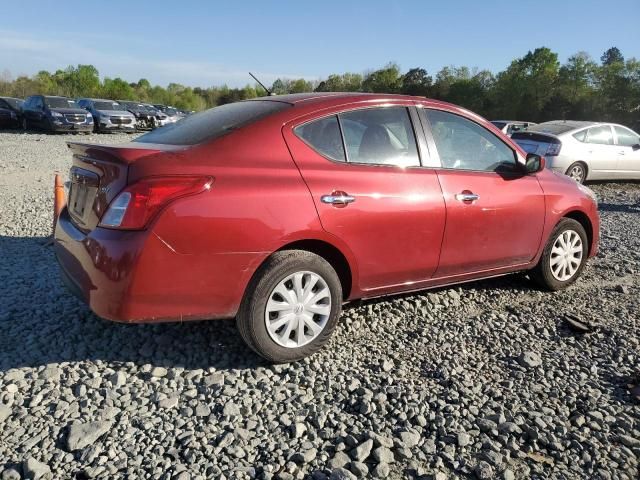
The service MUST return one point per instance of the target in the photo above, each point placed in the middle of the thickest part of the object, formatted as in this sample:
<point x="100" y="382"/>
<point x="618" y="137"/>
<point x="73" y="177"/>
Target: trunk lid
<point x="98" y="174"/>
<point x="534" y="142"/>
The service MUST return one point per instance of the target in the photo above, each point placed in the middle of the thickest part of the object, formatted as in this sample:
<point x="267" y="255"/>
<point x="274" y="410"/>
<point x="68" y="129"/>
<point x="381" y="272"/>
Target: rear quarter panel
<point x="213" y="242"/>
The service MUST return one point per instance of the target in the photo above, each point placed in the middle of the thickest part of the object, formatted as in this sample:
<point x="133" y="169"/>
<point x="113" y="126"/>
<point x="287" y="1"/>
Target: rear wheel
<point x="563" y="257"/>
<point x="577" y="171"/>
<point x="291" y="306"/>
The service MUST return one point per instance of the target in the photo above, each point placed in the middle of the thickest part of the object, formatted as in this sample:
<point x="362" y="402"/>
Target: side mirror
<point x="635" y="147"/>
<point x="535" y="163"/>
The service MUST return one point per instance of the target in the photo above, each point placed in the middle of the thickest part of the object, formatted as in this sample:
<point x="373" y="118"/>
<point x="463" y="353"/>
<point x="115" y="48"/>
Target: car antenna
<point x="269" y="92"/>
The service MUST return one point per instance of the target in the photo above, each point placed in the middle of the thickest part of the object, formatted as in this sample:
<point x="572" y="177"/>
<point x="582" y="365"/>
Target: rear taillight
<point x="137" y="204"/>
<point x="553" y="149"/>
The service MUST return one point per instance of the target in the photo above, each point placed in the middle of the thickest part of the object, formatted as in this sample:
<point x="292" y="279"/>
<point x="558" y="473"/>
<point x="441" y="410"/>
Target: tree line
<point x="535" y="87"/>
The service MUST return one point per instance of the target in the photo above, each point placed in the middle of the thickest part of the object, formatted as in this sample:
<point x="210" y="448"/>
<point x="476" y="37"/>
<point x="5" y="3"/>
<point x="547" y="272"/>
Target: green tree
<point x="416" y="82"/>
<point x="384" y="80"/>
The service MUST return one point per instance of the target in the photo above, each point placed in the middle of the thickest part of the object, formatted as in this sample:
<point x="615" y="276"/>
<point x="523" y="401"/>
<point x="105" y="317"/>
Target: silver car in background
<point x="509" y="127"/>
<point x="108" y="115"/>
<point x="584" y="150"/>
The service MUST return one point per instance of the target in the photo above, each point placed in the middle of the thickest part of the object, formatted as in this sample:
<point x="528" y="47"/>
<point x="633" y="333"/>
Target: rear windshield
<point x="553" y="128"/>
<point x="207" y="125"/>
<point x="106" y="106"/>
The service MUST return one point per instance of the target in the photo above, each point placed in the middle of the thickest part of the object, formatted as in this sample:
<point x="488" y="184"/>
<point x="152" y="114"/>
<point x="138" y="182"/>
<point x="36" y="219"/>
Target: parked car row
<point x="63" y="114"/>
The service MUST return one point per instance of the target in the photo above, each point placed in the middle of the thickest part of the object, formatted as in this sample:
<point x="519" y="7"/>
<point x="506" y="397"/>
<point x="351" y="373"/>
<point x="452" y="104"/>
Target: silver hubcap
<point x="577" y="173"/>
<point x="566" y="255"/>
<point x="298" y="309"/>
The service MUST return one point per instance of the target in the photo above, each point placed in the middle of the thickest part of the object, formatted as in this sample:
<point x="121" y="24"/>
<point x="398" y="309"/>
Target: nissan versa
<point x="279" y="210"/>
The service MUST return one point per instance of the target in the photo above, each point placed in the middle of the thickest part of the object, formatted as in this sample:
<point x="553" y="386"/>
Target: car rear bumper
<point x="137" y="277"/>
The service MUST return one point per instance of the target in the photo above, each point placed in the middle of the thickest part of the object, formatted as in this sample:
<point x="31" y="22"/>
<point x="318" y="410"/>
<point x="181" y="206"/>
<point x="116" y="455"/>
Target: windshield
<point x="170" y="111"/>
<point x="552" y="127"/>
<point x="106" y="106"/>
<point x="60" y="102"/>
<point x="212" y="123"/>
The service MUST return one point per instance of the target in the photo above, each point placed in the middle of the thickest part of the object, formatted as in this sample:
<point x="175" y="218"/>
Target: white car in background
<point x="585" y="150"/>
<point x="508" y="127"/>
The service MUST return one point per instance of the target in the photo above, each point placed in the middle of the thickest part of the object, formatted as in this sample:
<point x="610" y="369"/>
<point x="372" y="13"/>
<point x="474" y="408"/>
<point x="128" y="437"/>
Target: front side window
<point x="465" y="145"/>
<point x="324" y="137"/>
<point x="626" y="138"/>
<point x="380" y="136"/>
<point x="600" y="135"/>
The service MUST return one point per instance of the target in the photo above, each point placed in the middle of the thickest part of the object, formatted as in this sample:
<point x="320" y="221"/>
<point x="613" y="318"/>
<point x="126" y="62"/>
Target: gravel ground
<point x="482" y="381"/>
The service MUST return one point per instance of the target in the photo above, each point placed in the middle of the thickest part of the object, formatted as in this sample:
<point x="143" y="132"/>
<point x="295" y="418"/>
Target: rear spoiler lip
<point x="126" y="153"/>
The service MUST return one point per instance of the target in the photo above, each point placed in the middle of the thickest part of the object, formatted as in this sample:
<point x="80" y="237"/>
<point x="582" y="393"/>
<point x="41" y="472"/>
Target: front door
<point x="495" y="213"/>
<point x="363" y="169"/>
<point x="628" y="149"/>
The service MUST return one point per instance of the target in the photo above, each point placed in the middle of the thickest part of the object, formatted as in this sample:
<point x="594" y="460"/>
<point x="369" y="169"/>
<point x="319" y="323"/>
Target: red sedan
<point x="278" y="210"/>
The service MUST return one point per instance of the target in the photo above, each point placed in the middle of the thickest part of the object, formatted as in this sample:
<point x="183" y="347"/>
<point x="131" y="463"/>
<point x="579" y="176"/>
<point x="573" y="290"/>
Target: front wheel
<point x="291" y="306"/>
<point x="563" y="257"/>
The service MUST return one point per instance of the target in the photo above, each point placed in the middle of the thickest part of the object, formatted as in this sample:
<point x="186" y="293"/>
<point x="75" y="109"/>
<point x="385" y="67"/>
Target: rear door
<point x="495" y="213"/>
<point x="602" y="152"/>
<point x="628" y="150"/>
<point x="364" y="170"/>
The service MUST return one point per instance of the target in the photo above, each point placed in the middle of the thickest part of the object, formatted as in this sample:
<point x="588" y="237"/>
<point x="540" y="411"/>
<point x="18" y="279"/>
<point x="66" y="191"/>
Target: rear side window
<point x="380" y="136"/>
<point x="626" y="138"/>
<point x="465" y="145"/>
<point x="580" y="136"/>
<point x="600" y="135"/>
<point x="324" y="137"/>
<point x="212" y="123"/>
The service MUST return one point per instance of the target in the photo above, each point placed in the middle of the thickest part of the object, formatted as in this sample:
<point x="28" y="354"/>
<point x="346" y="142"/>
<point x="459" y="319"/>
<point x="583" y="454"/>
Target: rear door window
<point x="626" y="138"/>
<point x="380" y="136"/>
<point x="215" y="122"/>
<point x="600" y="135"/>
<point x="324" y="137"/>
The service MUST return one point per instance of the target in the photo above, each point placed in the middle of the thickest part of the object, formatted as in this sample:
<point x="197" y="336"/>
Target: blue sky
<point x="202" y="43"/>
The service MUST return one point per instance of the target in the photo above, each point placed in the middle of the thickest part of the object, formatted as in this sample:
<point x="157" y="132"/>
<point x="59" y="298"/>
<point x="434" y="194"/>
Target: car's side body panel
<point x="197" y="257"/>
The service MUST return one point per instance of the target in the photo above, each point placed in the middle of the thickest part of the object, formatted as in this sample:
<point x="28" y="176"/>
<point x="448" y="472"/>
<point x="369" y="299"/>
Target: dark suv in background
<point x="10" y="112"/>
<point x="55" y="114"/>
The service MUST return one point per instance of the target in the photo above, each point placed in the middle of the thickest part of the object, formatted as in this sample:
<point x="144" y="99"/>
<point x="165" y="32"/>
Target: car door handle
<point x="467" y="196"/>
<point x="621" y="153"/>
<point x="339" y="199"/>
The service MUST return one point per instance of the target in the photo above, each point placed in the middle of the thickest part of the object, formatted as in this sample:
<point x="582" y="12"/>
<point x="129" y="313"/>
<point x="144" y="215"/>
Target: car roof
<point x="12" y="98"/>
<point x="573" y="123"/>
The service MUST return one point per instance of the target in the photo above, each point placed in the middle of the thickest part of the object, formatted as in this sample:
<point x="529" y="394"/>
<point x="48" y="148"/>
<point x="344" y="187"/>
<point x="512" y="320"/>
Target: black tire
<point x="251" y="315"/>
<point x="577" y="171"/>
<point x="542" y="274"/>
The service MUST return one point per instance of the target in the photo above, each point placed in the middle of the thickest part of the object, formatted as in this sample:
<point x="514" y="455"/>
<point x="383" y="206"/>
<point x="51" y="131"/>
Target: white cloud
<point x="27" y="54"/>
